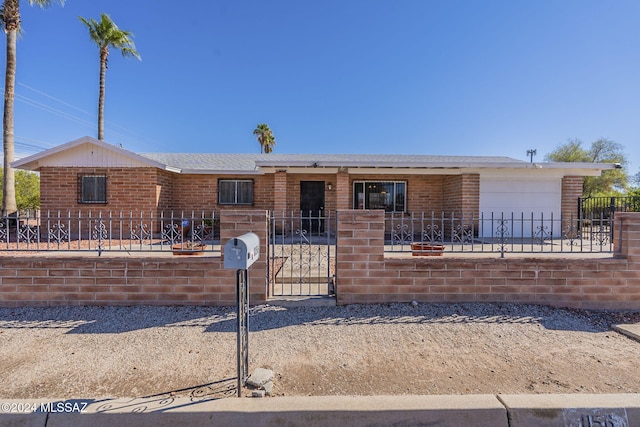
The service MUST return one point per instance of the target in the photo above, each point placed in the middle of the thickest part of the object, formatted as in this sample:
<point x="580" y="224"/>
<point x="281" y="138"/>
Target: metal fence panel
<point x="432" y="233"/>
<point x="301" y="255"/>
<point x="107" y="231"/>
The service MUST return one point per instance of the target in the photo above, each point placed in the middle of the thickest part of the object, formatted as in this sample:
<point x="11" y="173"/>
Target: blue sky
<point x="337" y="76"/>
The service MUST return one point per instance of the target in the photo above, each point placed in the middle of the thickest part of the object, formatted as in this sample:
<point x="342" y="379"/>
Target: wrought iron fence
<point x="107" y="231"/>
<point x="607" y="206"/>
<point x="301" y="253"/>
<point x="433" y="234"/>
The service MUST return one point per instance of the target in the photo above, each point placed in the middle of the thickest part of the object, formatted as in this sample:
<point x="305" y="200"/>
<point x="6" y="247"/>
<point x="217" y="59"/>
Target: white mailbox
<point x="242" y="251"/>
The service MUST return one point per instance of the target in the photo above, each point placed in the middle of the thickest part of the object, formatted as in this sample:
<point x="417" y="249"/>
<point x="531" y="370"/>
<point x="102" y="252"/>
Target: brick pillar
<point x="360" y="249"/>
<point x="571" y="192"/>
<point x="626" y="236"/>
<point x="342" y="191"/>
<point x="237" y="222"/>
<point x="280" y="192"/>
<point x="470" y="192"/>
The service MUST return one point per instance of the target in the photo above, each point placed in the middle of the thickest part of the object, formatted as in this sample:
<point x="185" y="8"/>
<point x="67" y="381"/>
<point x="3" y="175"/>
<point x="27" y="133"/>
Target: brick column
<point x="235" y="223"/>
<point x="626" y="236"/>
<point x="343" y="201"/>
<point x="360" y="251"/>
<point x="470" y="191"/>
<point x="280" y="192"/>
<point x="571" y="192"/>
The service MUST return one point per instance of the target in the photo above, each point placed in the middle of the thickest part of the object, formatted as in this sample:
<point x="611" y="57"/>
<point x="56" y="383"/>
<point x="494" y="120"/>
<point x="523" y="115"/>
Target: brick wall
<point x="127" y="189"/>
<point x="153" y="189"/>
<point x="47" y="280"/>
<point x="40" y="281"/>
<point x="365" y="275"/>
<point x="200" y="192"/>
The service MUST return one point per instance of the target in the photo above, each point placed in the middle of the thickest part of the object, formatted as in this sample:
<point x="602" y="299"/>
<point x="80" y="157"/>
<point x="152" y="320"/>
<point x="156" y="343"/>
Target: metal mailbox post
<point x="239" y="254"/>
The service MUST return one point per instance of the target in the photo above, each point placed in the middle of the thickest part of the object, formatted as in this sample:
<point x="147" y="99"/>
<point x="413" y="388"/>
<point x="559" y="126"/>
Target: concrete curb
<point x="631" y="330"/>
<point x="573" y="410"/>
<point x="622" y="410"/>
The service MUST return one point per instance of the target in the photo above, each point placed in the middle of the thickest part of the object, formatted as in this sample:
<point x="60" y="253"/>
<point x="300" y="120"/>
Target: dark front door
<point x="312" y="206"/>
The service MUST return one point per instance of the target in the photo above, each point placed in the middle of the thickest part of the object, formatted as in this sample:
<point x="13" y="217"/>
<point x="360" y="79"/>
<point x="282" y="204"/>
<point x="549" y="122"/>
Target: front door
<point x="312" y="206"/>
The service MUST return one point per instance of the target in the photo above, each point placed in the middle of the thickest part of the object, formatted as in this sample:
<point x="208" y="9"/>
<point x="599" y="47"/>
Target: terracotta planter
<point x="426" y="249"/>
<point x="188" y="249"/>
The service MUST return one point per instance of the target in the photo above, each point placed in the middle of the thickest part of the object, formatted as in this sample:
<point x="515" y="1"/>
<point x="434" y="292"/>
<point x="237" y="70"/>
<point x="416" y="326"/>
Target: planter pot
<point x="426" y="249"/>
<point x="188" y="249"/>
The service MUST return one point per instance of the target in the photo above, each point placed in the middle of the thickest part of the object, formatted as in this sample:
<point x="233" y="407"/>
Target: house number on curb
<point x="610" y="417"/>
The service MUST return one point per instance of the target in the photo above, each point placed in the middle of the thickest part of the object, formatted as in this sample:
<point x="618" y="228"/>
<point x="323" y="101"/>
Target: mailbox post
<point x="239" y="254"/>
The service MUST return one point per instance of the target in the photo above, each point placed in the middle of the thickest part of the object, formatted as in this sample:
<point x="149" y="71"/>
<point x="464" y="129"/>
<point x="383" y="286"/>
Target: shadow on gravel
<point x="110" y="320"/>
<point x="153" y="403"/>
<point x="211" y="391"/>
<point x="266" y="317"/>
<point x="113" y="320"/>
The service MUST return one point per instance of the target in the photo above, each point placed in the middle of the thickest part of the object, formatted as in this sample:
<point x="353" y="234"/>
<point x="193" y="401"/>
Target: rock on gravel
<point x="96" y="352"/>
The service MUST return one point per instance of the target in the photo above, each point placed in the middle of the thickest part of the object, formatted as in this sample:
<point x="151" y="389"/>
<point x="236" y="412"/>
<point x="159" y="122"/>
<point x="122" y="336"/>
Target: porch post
<point x="342" y="190"/>
<point x="280" y="192"/>
<point x="571" y="193"/>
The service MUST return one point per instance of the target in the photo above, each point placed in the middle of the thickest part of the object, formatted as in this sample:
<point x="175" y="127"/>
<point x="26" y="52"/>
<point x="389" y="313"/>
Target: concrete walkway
<point x="566" y="410"/>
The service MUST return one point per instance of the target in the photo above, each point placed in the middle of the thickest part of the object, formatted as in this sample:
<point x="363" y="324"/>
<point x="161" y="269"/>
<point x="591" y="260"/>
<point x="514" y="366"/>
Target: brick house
<point x="90" y="174"/>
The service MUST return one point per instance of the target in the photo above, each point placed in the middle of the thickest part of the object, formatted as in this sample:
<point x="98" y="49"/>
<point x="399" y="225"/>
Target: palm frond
<point x="106" y="33"/>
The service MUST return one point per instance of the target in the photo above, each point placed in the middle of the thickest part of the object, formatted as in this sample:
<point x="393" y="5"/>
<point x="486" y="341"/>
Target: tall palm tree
<point x="265" y="138"/>
<point x="106" y="34"/>
<point x="10" y="20"/>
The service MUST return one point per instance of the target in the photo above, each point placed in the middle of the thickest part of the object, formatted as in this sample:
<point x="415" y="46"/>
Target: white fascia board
<point x="220" y="172"/>
<point x="292" y="170"/>
<point x="286" y="164"/>
<point x="409" y="171"/>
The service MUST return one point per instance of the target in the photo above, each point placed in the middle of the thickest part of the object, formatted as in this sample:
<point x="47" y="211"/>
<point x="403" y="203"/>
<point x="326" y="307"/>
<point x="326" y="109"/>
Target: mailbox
<point x="242" y="251"/>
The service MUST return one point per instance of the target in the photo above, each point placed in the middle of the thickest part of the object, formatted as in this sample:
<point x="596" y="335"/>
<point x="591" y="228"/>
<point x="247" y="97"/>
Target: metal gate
<point x="301" y="254"/>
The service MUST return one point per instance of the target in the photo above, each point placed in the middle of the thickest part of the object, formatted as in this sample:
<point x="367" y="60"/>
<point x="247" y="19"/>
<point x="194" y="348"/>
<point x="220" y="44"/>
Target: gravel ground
<point x="99" y="352"/>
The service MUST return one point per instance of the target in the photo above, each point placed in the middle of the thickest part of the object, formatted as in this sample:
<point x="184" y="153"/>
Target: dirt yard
<point x="93" y="352"/>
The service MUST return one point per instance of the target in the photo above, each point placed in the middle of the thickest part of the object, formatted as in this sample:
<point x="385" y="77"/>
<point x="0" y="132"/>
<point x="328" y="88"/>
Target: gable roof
<point x="86" y="143"/>
<point x="209" y="163"/>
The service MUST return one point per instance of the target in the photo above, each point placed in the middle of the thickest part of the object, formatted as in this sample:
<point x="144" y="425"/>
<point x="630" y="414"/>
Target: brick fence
<point x="364" y="273"/>
<point x="153" y="280"/>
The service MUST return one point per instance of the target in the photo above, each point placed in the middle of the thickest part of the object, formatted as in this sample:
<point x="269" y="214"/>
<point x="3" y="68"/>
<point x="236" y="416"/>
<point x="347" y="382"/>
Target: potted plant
<point x="188" y="248"/>
<point x="426" y="249"/>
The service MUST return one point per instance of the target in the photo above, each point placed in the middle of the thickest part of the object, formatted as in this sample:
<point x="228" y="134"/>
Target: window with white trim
<point x="387" y="195"/>
<point x="92" y="189"/>
<point x="235" y="191"/>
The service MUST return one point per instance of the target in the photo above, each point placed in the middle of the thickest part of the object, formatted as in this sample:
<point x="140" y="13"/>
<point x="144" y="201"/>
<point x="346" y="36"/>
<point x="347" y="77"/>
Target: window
<point x="235" y="192"/>
<point x="93" y="189"/>
<point x="387" y="195"/>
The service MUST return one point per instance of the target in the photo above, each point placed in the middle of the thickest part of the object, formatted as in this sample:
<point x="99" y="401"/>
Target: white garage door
<point x="520" y="197"/>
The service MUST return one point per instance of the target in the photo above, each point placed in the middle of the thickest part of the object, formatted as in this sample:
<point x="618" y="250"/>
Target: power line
<point x="93" y="116"/>
<point x="56" y="99"/>
<point x="133" y="137"/>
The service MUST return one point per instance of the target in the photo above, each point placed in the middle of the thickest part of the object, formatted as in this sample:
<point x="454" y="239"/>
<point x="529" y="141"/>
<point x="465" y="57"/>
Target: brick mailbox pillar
<point x="360" y="256"/>
<point x="237" y="222"/>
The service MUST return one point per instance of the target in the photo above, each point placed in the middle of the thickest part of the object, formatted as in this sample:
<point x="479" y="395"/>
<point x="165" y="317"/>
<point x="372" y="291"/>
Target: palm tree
<point x="106" y="34"/>
<point x="265" y="138"/>
<point x="10" y="20"/>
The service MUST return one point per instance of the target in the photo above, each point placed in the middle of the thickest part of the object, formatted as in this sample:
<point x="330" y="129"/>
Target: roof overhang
<point x="221" y="172"/>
